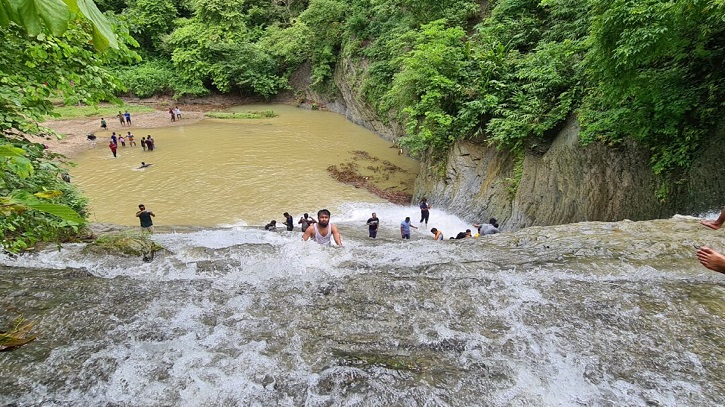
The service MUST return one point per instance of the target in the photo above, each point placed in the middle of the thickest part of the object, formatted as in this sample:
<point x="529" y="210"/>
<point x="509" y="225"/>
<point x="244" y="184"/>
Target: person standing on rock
<point x="147" y="225"/>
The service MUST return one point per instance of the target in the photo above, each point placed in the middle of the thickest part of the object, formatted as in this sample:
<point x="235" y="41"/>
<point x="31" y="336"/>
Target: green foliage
<point x="242" y="115"/>
<point x="658" y="73"/>
<point x="326" y="20"/>
<point x="54" y="213"/>
<point x="156" y="77"/>
<point x="36" y="69"/>
<point x="150" y="21"/>
<point x="54" y="16"/>
<point x="289" y="47"/>
<point x="60" y="63"/>
<point x="506" y="72"/>
<point x="74" y="112"/>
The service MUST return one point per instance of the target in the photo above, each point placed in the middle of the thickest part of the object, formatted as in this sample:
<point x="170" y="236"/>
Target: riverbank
<point x="74" y="132"/>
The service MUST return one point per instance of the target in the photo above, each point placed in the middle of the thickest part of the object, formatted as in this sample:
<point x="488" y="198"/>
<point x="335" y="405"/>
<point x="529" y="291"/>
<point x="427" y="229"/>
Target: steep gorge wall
<point x="566" y="183"/>
<point x="570" y="183"/>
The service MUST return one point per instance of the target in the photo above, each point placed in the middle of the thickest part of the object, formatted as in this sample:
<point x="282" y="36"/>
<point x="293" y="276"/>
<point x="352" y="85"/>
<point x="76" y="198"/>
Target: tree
<point x="45" y="53"/>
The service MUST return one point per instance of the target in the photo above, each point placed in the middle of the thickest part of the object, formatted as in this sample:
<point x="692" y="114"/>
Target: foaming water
<point x="586" y="314"/>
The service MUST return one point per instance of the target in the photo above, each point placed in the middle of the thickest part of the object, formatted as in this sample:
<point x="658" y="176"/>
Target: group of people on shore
<point x="124" y="118"/>
<point x="175" y="113"/>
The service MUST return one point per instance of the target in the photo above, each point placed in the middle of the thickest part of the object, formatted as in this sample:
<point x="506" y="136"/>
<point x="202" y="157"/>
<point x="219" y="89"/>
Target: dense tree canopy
<point x="507" y="71"/>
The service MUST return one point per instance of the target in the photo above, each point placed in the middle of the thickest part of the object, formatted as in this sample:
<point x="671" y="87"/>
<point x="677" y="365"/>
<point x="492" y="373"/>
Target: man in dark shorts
<point x="424" y="211"/>
<point x="373" y="224"/>
<point x="147" y="225"/>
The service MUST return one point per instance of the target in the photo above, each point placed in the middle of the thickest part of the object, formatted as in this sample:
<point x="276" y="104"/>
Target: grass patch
<point x="17" y="334"/>
<point x="241" y="115"/>
<point x="109" y="112"/>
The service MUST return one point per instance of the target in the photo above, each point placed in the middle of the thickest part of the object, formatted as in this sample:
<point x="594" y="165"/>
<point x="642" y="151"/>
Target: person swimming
<point x="144" y="165"/>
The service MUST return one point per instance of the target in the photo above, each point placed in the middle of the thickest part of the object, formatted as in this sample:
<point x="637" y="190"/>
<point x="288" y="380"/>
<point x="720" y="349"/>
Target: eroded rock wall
<point x="568" y="183"/>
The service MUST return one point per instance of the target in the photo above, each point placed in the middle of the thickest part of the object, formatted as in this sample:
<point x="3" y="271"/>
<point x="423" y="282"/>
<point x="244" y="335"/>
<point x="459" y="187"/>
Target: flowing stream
<point x="589" y="314"/>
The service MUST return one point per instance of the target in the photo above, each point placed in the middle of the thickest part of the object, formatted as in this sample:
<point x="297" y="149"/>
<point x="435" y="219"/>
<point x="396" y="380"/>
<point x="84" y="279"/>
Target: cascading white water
<point x="584" y="314"/>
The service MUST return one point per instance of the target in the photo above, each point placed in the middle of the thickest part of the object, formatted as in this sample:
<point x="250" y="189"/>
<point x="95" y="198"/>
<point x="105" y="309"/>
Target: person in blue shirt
<point x="405" y="228"/>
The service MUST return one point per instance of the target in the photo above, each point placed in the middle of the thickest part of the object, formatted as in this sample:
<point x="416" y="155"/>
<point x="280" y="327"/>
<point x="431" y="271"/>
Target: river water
<point x="589" y="314"/>
<point x="238" y="172"/>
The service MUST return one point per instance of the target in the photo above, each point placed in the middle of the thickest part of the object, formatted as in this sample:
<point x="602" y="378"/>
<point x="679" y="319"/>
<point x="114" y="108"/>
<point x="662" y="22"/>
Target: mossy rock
<point x="124" y="243"/>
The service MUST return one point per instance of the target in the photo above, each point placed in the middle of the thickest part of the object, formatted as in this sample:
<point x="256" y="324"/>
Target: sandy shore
<point x="74" y="131"/>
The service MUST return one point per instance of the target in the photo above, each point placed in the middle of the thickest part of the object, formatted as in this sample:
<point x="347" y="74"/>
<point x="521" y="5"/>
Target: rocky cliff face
<point x="561" y="183"/>
<point x="569" y="183"/>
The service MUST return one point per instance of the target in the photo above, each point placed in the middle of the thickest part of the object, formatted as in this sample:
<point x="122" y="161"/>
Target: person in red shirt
<point x="113" y="147"/>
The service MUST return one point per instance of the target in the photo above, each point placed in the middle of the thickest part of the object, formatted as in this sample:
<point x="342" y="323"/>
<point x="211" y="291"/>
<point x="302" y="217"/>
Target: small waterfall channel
<point x="588" y="314"/>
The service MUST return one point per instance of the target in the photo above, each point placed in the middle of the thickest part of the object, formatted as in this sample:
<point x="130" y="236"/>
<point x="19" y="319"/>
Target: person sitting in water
<point x="715" y="224"/>
<point x="144" y="165"/>
<point x="271" y="225"/>
<point x="711" y="259"/>
<point x="437" y="234"/>
<point x="463" y="235"/>
<point x="489" y="228"/>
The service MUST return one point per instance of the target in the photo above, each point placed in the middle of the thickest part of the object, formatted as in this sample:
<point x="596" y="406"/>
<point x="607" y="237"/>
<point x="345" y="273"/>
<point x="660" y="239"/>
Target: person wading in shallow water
<point x="323" y="230"/>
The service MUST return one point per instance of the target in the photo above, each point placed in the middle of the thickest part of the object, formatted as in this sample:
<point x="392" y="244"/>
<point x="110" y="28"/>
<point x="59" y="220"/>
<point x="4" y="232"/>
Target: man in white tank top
<point x="323" y="231"/>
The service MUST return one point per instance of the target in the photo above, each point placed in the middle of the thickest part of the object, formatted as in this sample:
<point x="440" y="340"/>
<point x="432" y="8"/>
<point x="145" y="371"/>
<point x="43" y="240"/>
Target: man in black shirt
<point x="373" y="225"/>
<point x="147" y="225"/>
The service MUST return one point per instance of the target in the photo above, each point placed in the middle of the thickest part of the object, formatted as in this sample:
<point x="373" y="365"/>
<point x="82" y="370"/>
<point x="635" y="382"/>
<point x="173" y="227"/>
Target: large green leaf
<point x="55" y="15"/>
<point x="27" y="200"/>
<point x="103" y="36"/>
<point x="32" y="13"/>
<point x="6" y="13"/>
<point x="8" y="150"/>
<point x="60" y="211"/>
